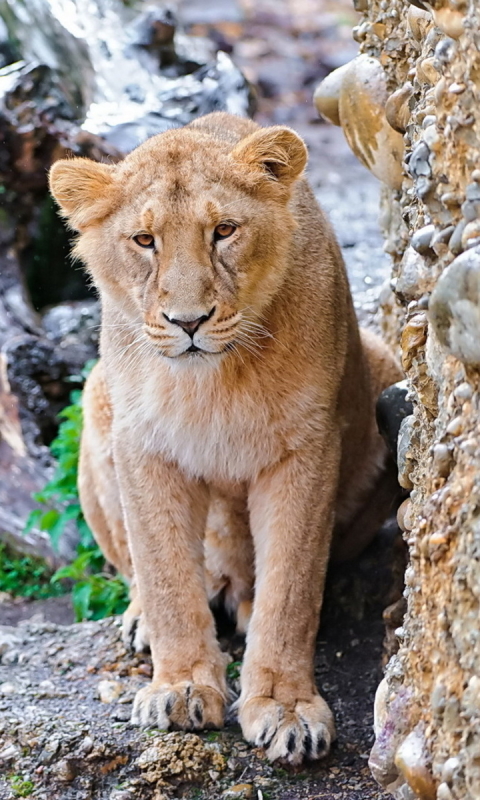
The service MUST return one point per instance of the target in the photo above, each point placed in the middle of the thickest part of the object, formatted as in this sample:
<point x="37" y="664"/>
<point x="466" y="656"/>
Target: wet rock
<point x="454" y="308"/>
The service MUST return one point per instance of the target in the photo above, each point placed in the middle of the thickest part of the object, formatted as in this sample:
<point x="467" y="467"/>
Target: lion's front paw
<point x="290" y="735"/>
<point x="188" y="706"/>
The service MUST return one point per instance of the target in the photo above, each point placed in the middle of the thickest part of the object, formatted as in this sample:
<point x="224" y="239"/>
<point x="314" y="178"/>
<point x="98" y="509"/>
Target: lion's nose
<point x="190" y="326"/>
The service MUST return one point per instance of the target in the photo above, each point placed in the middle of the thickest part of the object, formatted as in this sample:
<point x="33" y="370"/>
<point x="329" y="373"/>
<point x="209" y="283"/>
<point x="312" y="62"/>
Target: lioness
<point x="229" y="424"/>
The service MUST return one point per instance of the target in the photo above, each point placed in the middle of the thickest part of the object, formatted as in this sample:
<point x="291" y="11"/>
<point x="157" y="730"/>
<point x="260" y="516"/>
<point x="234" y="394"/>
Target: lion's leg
<point x="165" y="513"/>
<point x="100" y="498"/>
<point x="97" y="482"/>
<point x="291" y="518"/>
<point x="229" y="569"/>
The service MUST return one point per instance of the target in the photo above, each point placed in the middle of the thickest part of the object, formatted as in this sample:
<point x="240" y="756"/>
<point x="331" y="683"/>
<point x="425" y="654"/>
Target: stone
<point x="454" y="308"/>
<point x="109" y="691"/>
<point x="404" y="441"/>
<point x="397" y="110"/>
<point x="422" y="238"/>
<point x="8" y="753"/>
<point x="455" y="244"/>
<point x="411" y="761"/>
<point x="450" y="21"/>
<point x="240" y="791"/>
<point x="362" y="115"/>
<point x="418" y="21"/>
<point x="8" y="639"/>
<point x="65" y="771"/>
<point x="443" y="792"/>
<point x="471" y="234"/>
<point x="354" y="96"/>
<point x="327" y="95"/>
<point x="442" y="459"/>
<point x="455" y="426"/>
<point x="413" y="275"/>
<point x="419" y="163"/>
<point x="449" y="769"/>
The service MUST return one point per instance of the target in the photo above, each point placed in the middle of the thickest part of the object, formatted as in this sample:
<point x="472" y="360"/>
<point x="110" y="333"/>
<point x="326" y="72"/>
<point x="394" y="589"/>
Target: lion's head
<point x="189" y="235"/>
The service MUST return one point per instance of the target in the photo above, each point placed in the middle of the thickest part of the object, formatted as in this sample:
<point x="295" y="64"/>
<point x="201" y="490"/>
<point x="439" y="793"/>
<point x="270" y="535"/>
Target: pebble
<point x="442" y="459"/>
<point x="8" y="638"/>
<point x="463" y="391"/>
<point x="455" y="427"/>
<point x="455" y="243"/>
<point x="421" y="239"/>
<point x="454" y="308"/>
<point x="109" y="691"/>
<point x="419" y="165"/>
<point x="8" y="688"/>
<point x="449" y="768"/>
<point x="9" y="752"/>
<point x="443" y="792"/>
<point x="240" y="791"/>
<point x="86" y="746"/>
<point x="65" y="771"/>
<point x="410" y="759"/>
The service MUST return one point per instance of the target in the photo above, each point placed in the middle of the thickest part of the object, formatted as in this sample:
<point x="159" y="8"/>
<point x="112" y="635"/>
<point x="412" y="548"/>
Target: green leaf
<point x="81" y="600"/>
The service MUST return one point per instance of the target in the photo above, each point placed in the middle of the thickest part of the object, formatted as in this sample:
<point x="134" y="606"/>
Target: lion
<point x="229" y="441"/>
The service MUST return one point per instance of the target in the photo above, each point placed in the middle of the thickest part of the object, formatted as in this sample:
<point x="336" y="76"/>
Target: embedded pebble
<point x="454" y="308"/>
<point x="442" y="459"/>
<point x="455" y="427"/>
<point x="449" y="768"/>
<point x="444" y="793"/>
<point x="422" y="238"/>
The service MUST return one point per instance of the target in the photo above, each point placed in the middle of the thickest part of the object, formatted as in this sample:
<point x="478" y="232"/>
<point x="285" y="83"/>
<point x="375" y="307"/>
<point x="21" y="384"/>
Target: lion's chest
<point x="216" y="436"/>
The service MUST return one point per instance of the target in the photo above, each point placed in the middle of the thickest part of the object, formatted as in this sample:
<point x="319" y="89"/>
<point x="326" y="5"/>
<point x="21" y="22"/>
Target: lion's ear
<point x="277" y="151"/>
<point x="83" y="189"/>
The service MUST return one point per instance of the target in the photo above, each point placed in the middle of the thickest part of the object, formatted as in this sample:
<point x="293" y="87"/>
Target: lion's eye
<point x="223" y="231"/>
<point x="144" y="240"/>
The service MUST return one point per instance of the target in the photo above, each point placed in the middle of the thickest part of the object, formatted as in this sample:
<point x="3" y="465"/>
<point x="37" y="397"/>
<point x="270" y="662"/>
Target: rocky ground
<point x="66" y="694"/>
<point x="66" y="690"/>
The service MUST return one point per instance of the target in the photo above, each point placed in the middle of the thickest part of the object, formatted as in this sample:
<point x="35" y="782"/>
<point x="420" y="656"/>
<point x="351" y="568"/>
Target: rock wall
<point x="409" y="107"/>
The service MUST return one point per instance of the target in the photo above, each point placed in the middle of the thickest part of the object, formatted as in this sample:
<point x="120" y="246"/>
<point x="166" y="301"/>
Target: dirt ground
<point x="58" y="739"/>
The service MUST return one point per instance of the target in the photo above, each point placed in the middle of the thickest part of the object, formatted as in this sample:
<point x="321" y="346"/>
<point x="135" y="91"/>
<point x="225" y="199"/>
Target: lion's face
<point x="187" y="236"/>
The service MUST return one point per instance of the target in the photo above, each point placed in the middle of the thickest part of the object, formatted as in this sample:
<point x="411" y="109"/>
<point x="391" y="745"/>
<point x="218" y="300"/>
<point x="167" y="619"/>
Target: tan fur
<point x="229" y="467"/>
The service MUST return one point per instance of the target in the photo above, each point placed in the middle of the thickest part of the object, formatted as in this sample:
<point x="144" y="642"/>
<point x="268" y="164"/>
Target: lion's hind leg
<point x="229" y="557"/>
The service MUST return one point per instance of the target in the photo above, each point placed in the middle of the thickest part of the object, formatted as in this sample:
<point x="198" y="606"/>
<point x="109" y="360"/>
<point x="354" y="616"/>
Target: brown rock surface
<point x="428" y="710"/>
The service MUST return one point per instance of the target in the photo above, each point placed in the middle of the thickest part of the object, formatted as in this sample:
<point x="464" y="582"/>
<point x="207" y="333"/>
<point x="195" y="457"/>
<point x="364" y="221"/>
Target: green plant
<point x="25" y="576"/>
<point x="20" y="787"/>
<point x="233" y="670"/>
<point x="96" y="593"/>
